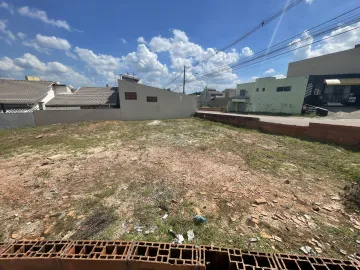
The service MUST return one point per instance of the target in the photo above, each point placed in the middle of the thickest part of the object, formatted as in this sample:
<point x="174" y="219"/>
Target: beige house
<point x="141" y="102"/>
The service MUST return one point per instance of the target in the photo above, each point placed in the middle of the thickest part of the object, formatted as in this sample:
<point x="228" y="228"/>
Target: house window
<point x="283" y="89"/>
<point x="131" y="95"/>
<point x="263" y="89"/>
<point x="257" y="89"/>
<point x="242" y="93"/>
<point x="151" y="99"/>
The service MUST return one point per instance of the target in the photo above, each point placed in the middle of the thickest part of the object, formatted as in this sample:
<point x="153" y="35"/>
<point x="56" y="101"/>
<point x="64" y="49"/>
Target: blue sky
<point x="79" y="44"/>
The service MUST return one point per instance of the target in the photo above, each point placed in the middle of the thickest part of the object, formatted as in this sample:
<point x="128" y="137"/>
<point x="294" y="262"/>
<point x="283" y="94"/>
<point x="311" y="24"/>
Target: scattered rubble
<point x="190" y="235"/>
<point x="165" y="216"/>
<point x="253" y="240"/>
<point x="260" y="201"/>
<point x="308" y="250"/>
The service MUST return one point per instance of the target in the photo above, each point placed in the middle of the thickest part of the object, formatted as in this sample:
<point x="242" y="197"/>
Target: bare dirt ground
<point x="116" y="180"/>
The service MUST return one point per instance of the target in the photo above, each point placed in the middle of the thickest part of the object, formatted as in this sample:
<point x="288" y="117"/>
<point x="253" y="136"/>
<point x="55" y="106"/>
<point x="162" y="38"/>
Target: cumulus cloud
<point x="247" y="51"/>
<point x="21" y="35"/>
<point x="71" y="55"/>
<point x="53" y="71"/>
<point x="253" y="79"/>
<point x="145" y="63"/>
<point x="198" y="60"/>
<point x="5" y="33"/>
<point x="309" y="1"/>
<point x="141" y="40"/>
<point x="7" y="6"/>
<point x="102" y="64"/>
<point x="270" y="71"/>
<point x="340" y="39"/>
<point x="123" y="40"/>
<point x="42" y="16"/>
<point x="53" y="42"/>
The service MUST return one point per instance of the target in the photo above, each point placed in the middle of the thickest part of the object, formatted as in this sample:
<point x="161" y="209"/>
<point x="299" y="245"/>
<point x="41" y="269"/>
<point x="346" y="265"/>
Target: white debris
<point x="190" y="235"/>
<point x="155" y="123"/>
<point x="307" y="250"/>
<point x="165" y="216"/>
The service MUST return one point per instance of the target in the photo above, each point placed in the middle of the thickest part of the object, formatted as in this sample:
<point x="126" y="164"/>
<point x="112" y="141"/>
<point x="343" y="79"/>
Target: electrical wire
<point x="348" y="21"/>
<point x="297" y="48"/>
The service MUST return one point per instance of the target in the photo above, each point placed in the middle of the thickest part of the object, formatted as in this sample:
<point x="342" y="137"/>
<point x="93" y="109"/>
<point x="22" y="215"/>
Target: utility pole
<point x="184" y="80"/>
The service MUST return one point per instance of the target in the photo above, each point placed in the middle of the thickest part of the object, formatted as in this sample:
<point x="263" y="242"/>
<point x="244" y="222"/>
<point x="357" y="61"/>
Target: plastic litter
<point x="165" y="216"/>
<point x="190" y="235"/>
<point x="179" y="238"/>
<point x="199" y="219"/>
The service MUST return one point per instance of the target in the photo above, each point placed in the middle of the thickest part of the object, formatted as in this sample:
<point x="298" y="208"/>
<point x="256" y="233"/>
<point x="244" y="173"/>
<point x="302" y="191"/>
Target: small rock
<point x="316" y="208"/>
<point x="358" y="242"/>
<point x="318" y="250"/>
<point x="307" y="217"/>
<point x="202" y="192"/>
<point x="134" y="158"/>
<point x="277" y="238"/>
<point x="307" y="250"/>
<point x="287" y="182"/>
<point x="42" y="238"/>
<point x="14" y="236"/>
<point x="71" y="213"/>
<point x="335" y="198"/>
<point x="253" y="240"/>
<point x="165" y="216"/>
<point x="48" y="230"/>
<point x="327" y="208"/>
<point x="28" y="223"/>
<point x="197" y="211"/>
<point x="260" y="201"/>
<point x="265" y="235"/>
<point x="53" y="190"/>
<point x="164" y="206"/>
<point x="39" y="136"/>
<point x="81" y="217"/>
<point x="342" y="252"/>
<point x="174" y="201"/>
<point x="275" y="201"/>
<point x="190" y="235"/>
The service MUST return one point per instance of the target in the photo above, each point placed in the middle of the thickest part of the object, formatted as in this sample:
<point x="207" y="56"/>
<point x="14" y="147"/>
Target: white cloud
<point x="5" y="5"/>
<point x="159" y="44"/>
<point x="7" y="65"/>
<point x="141" y="40"/>
<point x="270" y="71"/>
<point x="42" y="16"/>
<point x="253" y="79"/>
<point x="71" y="55"/>
<point x="123" y="40"/>
<point x="145" y="64"/>
<point x="21" y="35"/>
<point x="184" y="52"/>
<point x="102" y="64"/>
<point x="53" y="71"/>
<point x="309" y="2"/>
<point x="46" y="44"/>
<point x="280" y="76"/>
<point x="6" y="34"/>
<point x="331" y="43"/>
<point x="33" y="44"/>
<point x="52" y="42"/>
<point x="247" y="51"/>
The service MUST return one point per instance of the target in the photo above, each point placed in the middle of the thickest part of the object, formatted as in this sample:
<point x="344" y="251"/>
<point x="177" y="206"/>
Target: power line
<point x="266" y="21"/>
<point x="311" y="43"/>
<point x="225" y="68"/>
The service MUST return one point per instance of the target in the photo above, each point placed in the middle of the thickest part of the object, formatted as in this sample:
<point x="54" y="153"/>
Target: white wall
<point x="50" y="95"/>
<point x="275" y="102"/>
<point x="61" y="89"/>
<point x="169" y="105"/>
<point x="48" y="117"/>
<point x="345" y="62"/>
<point x="16" y="120"/>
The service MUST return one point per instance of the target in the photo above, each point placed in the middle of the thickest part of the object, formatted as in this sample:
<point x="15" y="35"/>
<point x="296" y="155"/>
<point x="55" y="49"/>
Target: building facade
<point x="334" y="79"/>
<point x="141" y="102"/>
<point x="270" y="95"/>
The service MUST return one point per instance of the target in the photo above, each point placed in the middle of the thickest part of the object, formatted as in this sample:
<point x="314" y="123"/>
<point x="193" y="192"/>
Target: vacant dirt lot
<point x="116" y="180"/>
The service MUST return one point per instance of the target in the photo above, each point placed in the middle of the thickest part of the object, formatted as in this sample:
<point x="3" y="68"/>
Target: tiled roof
<point x="86" y="96"/>
<point x="23" y="92"/>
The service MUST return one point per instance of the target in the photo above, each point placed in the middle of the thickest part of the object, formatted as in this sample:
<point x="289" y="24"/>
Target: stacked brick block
<point x="337" y="134"/>
<point x="100" y="255"/>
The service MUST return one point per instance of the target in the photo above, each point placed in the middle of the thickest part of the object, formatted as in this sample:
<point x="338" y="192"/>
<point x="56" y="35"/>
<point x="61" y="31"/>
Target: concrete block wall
<point x="121" y="255"/>
<point x="16" y="120"/>
<point x="342" y="135"/>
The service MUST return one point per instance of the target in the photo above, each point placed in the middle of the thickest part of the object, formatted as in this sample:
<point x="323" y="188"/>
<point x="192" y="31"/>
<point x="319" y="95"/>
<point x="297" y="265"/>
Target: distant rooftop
<point x="23" y="92"/>
<point x="86" y="96"/>
<point x="129" y="78"/>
